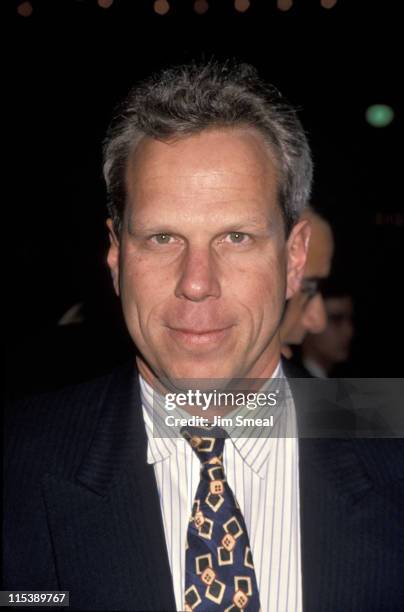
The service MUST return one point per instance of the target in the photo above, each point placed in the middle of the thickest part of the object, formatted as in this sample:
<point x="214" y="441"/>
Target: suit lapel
<point x="106" y="524"/>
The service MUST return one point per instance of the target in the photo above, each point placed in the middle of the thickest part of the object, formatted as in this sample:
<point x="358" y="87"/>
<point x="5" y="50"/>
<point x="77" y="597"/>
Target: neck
<point x="237" y="387"/>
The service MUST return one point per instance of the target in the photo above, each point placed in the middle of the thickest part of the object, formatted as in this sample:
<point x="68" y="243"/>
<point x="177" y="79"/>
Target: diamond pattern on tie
<point x="220" y="573"/>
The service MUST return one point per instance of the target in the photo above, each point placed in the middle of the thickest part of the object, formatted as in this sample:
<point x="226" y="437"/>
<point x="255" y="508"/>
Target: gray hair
<point x="188" y="99"/>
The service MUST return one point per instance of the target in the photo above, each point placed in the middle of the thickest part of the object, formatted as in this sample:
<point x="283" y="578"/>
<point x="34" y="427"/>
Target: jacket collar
<point x="113" y="509"/>
<point x="120" y="438"/>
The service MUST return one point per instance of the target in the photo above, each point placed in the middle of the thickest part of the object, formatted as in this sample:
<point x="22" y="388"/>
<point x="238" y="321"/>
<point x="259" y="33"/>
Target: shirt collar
<point x="253" y="444"/>
<point x="314" y="368"/>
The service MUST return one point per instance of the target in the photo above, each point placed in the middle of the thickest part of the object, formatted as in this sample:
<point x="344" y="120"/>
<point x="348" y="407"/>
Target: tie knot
<point x="207" y="443"/>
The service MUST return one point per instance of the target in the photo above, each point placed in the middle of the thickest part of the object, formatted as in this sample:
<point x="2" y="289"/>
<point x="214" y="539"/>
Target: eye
<point x="238" y="237"/>
<point x="162" y="238"/>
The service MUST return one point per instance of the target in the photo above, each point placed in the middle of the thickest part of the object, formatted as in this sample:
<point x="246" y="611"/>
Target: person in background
<point x="305" y="311"/>
<point x="324" y="354"/>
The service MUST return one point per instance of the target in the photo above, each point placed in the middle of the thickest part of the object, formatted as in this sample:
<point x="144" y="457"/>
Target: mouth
<point x="198" y="337"/>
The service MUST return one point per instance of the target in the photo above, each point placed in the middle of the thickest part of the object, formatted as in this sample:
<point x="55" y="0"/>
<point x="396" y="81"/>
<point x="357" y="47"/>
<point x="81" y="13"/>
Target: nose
<point x="315" y="316"/>
<point x="198" y="278"/>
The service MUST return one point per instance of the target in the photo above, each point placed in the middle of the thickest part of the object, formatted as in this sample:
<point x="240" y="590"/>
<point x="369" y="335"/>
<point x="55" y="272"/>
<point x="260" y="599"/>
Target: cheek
<point x="142" y="289"/>
<point x="141" y="278"/>
<point x="263" y="294"/>
<point x="263" y="271"/>
<point x="294" y="306"/>
<point x="329" y="341"/>
<point x="144" y="305"/>
<point x="272" y="283"/>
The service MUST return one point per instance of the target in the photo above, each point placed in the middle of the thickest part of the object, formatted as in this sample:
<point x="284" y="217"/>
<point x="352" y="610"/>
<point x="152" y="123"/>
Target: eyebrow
<point x="237" y="225"/>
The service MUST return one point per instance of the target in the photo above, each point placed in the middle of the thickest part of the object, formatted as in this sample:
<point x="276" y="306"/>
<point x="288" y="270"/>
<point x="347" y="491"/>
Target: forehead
<point x="214" y="168"/>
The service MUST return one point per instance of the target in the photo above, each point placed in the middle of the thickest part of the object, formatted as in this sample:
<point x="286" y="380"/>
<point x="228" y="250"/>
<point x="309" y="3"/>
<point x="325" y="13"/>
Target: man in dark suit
<point x="207" y="170"/>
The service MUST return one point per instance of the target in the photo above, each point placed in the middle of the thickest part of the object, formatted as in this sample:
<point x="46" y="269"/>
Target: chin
<point x="201" y="372"/>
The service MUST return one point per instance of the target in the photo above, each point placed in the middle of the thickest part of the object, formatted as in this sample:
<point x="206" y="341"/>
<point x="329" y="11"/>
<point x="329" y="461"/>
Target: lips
<point x="199" y="337"/>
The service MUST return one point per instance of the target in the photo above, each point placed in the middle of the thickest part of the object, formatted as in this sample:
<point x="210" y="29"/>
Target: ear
<point x="297" y="247"/>
<point x="113" y="255"/>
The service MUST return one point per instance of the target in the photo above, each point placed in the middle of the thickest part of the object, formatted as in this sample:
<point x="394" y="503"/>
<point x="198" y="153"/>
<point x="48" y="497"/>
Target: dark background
<point x="71" y="61"/>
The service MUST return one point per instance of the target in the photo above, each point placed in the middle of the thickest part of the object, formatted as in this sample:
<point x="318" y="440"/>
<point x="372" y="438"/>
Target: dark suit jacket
<point x="82" y="511"/>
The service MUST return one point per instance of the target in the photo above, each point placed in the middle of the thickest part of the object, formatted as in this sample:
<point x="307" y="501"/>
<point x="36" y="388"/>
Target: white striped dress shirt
<point x="263" y="473"/>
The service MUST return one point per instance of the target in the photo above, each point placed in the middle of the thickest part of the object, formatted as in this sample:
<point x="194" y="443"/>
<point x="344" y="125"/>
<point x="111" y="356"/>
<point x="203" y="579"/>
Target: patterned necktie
<point x="219" y="568"/>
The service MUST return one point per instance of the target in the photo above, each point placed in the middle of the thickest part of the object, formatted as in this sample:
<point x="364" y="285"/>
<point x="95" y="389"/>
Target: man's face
<point x="333" y="344"/>
<point x="202" y="265"/>
<point x="305" y="311"/>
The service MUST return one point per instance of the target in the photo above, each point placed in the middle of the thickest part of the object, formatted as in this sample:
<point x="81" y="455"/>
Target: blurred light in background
<point x="105" y="3"/>
<point x="328" y="4"/>
<point x="25" y="9"/>
<point x="241" y="5"/>
<point x="379" y="115"/>
<point x="201" y="6"/>
<point x="284" y="5"/>
<point x="161" y="7"/>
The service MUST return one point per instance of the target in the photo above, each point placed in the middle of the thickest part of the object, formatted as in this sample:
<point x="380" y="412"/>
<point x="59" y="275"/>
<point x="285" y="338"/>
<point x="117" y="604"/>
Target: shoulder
<point x="34" y="411"/>
<point x="55" y="427"/>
